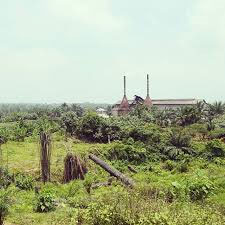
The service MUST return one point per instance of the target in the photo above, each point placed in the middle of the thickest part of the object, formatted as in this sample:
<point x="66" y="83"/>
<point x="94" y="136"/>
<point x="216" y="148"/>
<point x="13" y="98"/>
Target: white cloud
<point x="207" y="22"/>
<point x="97" y="14"/>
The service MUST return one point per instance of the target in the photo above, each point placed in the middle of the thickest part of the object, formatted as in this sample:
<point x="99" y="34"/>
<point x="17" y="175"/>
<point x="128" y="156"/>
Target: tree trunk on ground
<point x="132" y="169"/>
<point x="113" y="172"/>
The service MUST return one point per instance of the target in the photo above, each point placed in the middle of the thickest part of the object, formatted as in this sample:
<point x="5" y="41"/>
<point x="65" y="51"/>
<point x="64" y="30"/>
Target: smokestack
<point x="125" y="86"/>
<point x="124" y="105"/>
<point x="148" y="85"/>
<point x="148" y="101"/>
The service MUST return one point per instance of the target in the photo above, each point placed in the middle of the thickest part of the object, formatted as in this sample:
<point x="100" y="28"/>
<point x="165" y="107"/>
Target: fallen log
<point x="113" y="172"/>
<point x="132" y="169"/>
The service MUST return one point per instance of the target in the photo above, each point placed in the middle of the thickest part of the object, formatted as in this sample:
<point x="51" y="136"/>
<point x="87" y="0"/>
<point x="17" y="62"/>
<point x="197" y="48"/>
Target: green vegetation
<point x="176" y="159"/>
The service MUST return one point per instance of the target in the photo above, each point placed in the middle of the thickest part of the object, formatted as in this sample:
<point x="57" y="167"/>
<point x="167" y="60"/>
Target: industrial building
<point x="125" y="106"/>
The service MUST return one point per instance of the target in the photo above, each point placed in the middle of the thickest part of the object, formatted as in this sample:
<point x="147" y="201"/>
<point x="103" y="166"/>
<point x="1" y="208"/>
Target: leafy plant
<point x="69" y="121"/>
<point x="216" y="148"/>
<point x="200" y="187"/>
<point x="5" y="202"/>
<point x="45" y="201"/>
<point x="126" y="152"/>
<point x="180" y="138"/>
<point x="6" y="178"/>
<point x="169" y="165"/>
<point x="23" y="182"/>
<point x="91" y="127"/>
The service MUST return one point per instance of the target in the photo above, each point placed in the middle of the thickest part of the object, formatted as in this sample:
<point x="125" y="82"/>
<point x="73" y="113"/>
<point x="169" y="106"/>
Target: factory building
<point x="125" y="106"/>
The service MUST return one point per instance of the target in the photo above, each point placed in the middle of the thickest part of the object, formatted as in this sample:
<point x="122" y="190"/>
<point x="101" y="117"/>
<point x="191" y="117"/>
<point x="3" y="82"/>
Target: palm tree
<point x="165" y="117"/>
<point x="188" y="115"/>
<point x="213" y="111"/>
<point x="217" y="108"/>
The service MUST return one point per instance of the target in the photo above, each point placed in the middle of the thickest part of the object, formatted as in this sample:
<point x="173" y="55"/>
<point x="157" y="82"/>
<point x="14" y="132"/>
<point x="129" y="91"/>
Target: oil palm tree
<point x="217" y="108"/>
<point x="187" y="115"/>
<point x="212" y="112"/>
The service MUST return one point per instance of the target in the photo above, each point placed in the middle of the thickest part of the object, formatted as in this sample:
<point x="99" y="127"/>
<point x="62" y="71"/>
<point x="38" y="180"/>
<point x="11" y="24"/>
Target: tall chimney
<point x="124" y="86"/>
<point x="124" y="107"/>
<point x="148" y="101"/>
<point x="148" y="86"/>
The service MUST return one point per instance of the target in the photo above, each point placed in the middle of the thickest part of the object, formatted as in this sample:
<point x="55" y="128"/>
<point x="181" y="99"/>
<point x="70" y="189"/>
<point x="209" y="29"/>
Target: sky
<point x="54" y="51"/>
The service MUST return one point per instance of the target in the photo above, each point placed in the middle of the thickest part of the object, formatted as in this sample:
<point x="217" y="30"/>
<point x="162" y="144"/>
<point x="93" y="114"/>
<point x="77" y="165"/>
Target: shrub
<point x="216" y="148"/>
<point x="5" y="202"/>
<point x="217" y="133"/>
<point x="3" y="136"/>
<point x="199" y="188"/>
<point x="6" y="178"/>
<point x="169" y="165"/>
<point x="128" y="153"/>
<point x="69" y="121"/>
<point x="198" y="147"/>
<point x="180" y="138"/>
<point x="23" y="182"/>
<point x="173" y="153"/>
<point x="91" y="127"/>
<point x="196" y="130"/>
<point x="182" y="167"/>
<point x="77" y="195"/>
<point x="147" y="133"/>
<point x="45" y="201"/>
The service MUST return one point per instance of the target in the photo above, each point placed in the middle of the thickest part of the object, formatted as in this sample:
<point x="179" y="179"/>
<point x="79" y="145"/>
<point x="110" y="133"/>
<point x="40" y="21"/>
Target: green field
<point x="157" y="188"/>
<point x="24" y="157"/>
<point x="174" y="158"/>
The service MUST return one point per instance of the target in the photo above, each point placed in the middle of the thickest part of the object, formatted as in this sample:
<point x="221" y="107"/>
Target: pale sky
<point x="54" y="51"/>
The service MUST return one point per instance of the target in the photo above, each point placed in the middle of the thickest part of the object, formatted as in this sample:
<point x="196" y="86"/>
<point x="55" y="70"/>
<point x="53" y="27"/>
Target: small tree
<point x="91" y="127"/>
<point x="69" y="121"/>
<point x="212" y="112"/>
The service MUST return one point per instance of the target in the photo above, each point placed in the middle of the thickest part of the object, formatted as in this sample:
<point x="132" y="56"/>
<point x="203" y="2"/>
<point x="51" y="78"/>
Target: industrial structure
<point x="125" y="106"/>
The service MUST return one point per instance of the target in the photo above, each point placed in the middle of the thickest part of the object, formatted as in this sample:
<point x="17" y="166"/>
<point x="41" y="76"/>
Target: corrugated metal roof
<point x="168" y="102"/>
<point x="174" y="101"/>
<point x="101" y="110"/>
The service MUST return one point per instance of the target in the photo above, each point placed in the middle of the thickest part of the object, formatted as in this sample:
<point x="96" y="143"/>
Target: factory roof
<point x="167" y="102"/>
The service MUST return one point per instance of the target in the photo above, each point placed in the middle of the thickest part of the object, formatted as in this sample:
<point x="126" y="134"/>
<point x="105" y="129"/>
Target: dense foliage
<point x="175" y="157"/>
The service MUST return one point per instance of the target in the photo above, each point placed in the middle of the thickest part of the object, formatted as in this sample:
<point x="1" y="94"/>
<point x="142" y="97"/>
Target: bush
<point x="69" y="122"/>
<point x="216" y="148"/>
<point x="23" y="182"/>
<point x="174" y="153"/>
<point x="91" y="127"/>
<point x="199" y="188"/>
<point x="147" y="133"/>
<point x="196" y="130"/>
<point x="45" y="201"/>
<point x="169" y="165"/>
<point x="3" y="136"/>
<point x="128" y="153"/>
<point x="217" y="133"/>
<point x="180" y="138"/>
<point x="5" y="202"/>
<point x="6" y="178"/>
<point x="183" y="167"/>
<point x="77" y="195"/>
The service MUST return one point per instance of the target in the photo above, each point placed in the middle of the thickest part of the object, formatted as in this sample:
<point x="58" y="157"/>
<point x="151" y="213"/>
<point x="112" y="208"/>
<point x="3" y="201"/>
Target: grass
<point x="7" y="125"/>
<point x="24" y="156"/>
<point x="74" y="202"/>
